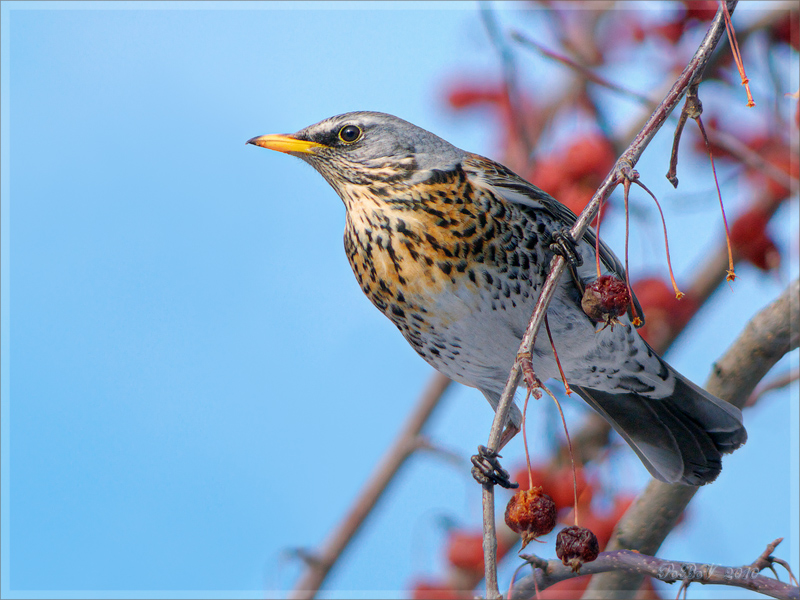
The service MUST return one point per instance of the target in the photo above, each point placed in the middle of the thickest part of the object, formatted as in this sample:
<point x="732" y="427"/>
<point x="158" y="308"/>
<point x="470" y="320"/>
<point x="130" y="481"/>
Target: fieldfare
<point x="453" y="248"/>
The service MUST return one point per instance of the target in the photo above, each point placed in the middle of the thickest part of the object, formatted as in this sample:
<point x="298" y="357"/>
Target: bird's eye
<point x="349" y="133"/>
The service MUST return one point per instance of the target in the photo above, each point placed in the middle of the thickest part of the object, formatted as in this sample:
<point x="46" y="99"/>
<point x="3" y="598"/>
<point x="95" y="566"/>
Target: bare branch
<point x="547" y="573"/>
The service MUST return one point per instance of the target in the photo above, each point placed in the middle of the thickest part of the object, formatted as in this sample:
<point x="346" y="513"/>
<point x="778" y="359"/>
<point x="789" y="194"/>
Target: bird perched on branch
<point x="453" y="248"/>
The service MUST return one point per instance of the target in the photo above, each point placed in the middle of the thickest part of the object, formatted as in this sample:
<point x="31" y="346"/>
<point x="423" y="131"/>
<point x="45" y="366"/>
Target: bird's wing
<point x="502" y="182"/>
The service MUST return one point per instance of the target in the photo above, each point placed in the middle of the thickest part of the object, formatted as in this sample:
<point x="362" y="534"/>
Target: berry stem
<point x="571" y="454"/>
<point x="678" y="294"/>
<point x="626" y="186"/>
<point x="558" y="362"/>
<point x="731" y="273"/>
<point x="737" y="56"/>
<point x="597" y="238"/>
<point x="525" y="440"/>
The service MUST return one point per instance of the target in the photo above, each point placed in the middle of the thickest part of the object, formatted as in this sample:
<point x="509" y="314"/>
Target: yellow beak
<point x="284" y="143"/>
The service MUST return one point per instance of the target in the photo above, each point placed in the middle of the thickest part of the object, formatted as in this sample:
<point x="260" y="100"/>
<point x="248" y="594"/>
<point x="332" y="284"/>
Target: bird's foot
<point x="486" y="469"/>
<point x="565" y="245"/>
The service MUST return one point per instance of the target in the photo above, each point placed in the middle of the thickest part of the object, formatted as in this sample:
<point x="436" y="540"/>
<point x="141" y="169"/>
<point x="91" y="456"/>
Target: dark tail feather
<point x="679" y="439"/>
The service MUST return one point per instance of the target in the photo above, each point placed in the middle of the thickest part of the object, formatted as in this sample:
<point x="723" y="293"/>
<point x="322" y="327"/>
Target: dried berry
<point x="575" y="546"/>
<point x="531" y="514"/>
<point x="605" y="299"/>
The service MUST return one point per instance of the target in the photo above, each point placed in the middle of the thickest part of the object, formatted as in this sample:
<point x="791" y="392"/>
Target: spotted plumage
<point x="453" y="248"/>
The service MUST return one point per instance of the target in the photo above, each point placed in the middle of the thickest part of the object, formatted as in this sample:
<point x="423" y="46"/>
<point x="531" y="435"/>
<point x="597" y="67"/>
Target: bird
<point x="454" y="249"/>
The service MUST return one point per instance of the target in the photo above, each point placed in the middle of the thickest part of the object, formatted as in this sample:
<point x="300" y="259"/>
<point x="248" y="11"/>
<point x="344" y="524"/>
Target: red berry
<point x="551" y="175"/>
<point x="787" y="30"/>
<point x="605" y="299"/>
<point x="531" y="514"/>
<point x="575" y="546"/>
<point x="465" y="550"/>
<point x="590" y="156"/>
<point x="702" y="10"/>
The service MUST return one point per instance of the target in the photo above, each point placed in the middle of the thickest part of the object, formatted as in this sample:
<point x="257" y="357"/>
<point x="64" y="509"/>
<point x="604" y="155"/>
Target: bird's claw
<point x="487" y="470"/>
<point x="565" y="245"/>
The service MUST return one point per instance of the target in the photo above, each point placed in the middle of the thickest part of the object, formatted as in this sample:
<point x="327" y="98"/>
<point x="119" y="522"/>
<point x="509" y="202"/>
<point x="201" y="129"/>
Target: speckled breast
<point x="445" y="262"/>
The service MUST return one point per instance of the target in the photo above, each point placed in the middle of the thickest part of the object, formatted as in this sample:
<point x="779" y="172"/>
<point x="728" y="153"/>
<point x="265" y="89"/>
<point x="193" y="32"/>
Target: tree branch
<point x="550" y="572"/>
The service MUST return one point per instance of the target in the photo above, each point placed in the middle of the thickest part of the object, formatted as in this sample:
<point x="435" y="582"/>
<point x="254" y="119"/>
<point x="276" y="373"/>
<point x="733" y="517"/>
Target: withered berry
<point x="575" y="546"/>
<point x="531" y="514"/>
<point x="605" y="299"/>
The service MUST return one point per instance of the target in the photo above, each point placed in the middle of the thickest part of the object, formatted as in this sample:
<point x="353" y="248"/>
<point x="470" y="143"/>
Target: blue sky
<point x="192" y="380"/>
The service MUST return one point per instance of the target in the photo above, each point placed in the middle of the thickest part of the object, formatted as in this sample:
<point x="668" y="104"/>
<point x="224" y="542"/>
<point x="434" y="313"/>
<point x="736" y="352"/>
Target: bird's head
<point x="366" y="148"/>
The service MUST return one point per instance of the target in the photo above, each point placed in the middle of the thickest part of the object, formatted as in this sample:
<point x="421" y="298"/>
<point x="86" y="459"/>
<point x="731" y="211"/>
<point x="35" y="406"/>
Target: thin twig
<point x="766" y="560"/>
<point x="571" y="454"/>
<point x="737" y="56"/>
<point x="774" y="384"/>
<point x="691" y="108"/>
<point x="731" y="272"/>
<point x="721" y="138"/>
<point x="678" y="294"/>
<point x="489" y="542"/>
